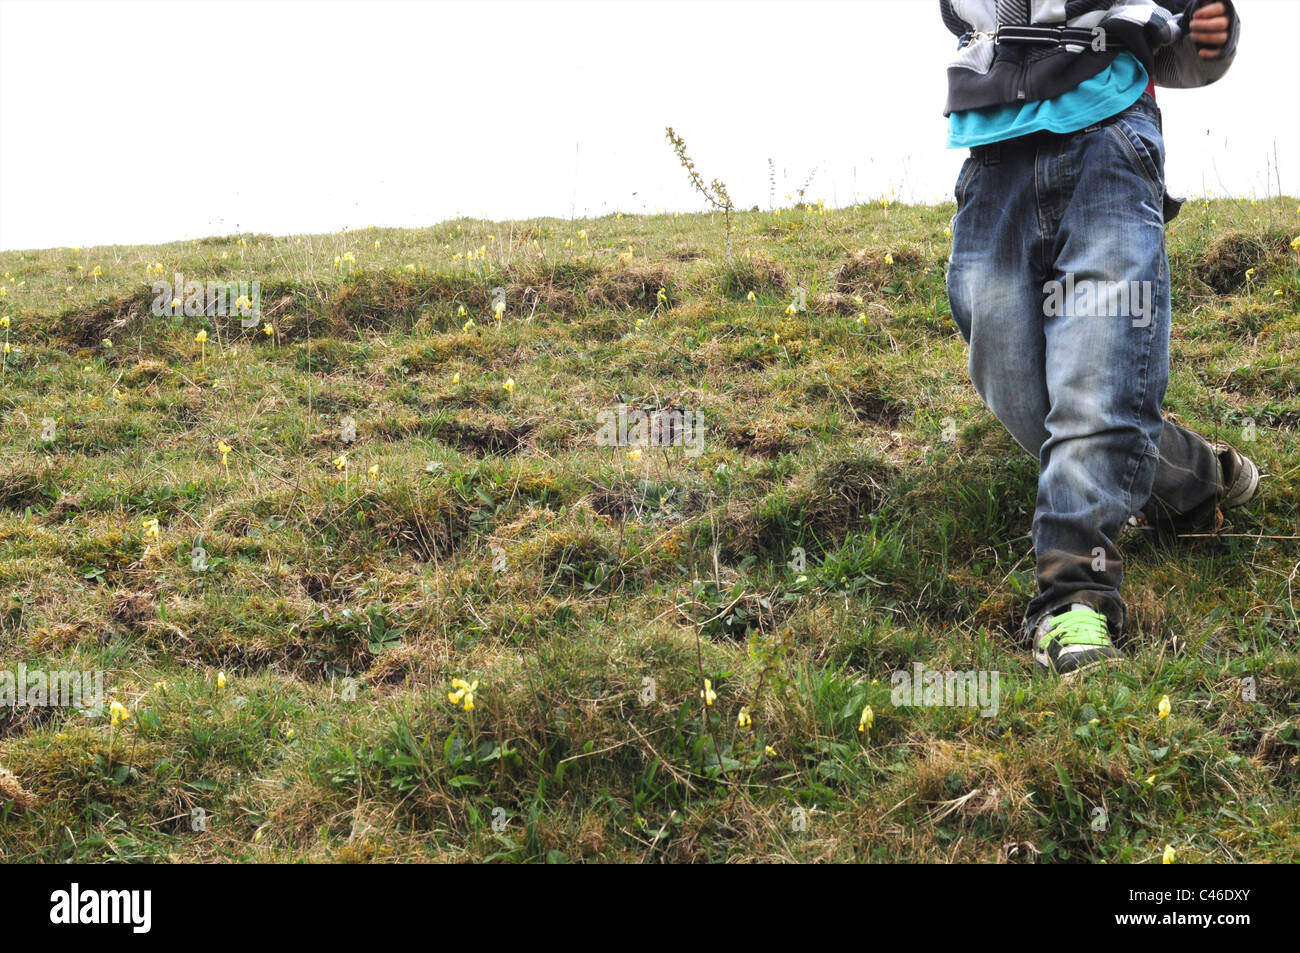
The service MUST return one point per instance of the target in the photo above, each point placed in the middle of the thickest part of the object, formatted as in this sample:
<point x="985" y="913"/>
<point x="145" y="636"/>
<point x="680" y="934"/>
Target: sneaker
<point x="1240" y="476"/>
<point x="1072" y="639"/>
<point x="1240" y="481"/>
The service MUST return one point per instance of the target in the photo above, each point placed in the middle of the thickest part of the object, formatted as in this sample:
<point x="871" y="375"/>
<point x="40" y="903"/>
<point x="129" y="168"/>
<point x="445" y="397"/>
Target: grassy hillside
<point x="590" y="590"/>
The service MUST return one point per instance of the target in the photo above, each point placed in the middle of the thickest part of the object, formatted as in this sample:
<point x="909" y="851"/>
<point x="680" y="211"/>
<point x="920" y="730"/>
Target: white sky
<point x="153" y="121"/>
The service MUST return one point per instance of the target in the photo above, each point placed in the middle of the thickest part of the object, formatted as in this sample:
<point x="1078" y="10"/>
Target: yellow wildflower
<point x="867" y="721"/>
<point x="708" y="694"/>
<point x="119" y="713"/>
<point x="462" y="693"/>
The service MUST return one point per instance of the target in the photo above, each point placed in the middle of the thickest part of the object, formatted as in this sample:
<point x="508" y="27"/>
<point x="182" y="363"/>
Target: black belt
<point x="1096" y="38"/>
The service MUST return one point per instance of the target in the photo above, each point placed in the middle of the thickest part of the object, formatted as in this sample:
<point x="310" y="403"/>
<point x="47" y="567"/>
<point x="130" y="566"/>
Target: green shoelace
<point x="1077" y="627"/>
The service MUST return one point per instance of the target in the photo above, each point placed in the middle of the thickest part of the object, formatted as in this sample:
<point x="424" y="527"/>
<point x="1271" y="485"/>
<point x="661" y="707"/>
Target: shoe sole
<point x="1246" y="493"/>
<point x="1042" y="669"/>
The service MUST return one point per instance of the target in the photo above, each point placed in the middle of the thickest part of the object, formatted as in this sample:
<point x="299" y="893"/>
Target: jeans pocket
<point x="1145" y="151"/>
<point x="963" y="180"/>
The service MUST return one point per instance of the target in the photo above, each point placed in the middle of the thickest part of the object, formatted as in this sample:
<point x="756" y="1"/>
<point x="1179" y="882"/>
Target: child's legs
<point x="1107" y="366"/>
<point x="1188" y="485"/>
<point x="995" y="285"/>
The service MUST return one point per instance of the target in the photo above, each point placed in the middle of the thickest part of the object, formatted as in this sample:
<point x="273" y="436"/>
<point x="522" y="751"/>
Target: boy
<point x="1059" y="282"/>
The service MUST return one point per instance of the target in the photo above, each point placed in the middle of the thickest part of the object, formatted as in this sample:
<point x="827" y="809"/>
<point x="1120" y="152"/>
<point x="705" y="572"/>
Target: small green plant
<point x="715" y="192"/>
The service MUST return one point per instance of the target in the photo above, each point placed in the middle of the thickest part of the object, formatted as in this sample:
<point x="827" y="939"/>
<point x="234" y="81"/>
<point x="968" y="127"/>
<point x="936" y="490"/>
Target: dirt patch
<point x="765" y="438"/>
<point x="23" y="486"/>
<point x="1223" y="266"/>
<point x="873" y="406"/>
<point x="868" y="270"/>
<point x="11" y="790"/>
<point x="754" y="272"/>
<point x="90" y="327"/>
<point x="486" y="434"/>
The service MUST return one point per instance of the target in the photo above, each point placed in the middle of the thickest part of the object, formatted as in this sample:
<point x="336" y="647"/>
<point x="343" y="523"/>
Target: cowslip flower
<point x="460" y="311"/>
<point x="462" y="693"/>
<point x="1169" y="855"/>
<point x="221" y="679"/>
<point x="634" y="454"/>
<point x="340" y="463"/>
<point x="201" y="336"/>
<point x="118" y="713"/>
<point x="224" y="449"/>
<point x="751" y="297"/>
<point x="1163" y="708"/>
<point x="372" y="471"/>
<point x="743" y="720"/>
<point x="509" y="385"/>
<point x="867" y="721"/>
<point x="4" y="321"/>
<point x="889" y="259"/>
<point x="708" y="694"/>
<point x="150" y="528"/>
<point x="455" y="378"/>
<point x="267" y="329"/>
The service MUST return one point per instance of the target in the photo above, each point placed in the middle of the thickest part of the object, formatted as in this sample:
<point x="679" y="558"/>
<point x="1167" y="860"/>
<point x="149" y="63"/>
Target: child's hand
<point x="1209" y="30"/>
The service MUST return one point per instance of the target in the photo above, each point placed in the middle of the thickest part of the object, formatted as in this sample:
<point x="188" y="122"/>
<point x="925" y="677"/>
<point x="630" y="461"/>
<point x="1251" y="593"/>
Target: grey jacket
<point x="985" y="73"/>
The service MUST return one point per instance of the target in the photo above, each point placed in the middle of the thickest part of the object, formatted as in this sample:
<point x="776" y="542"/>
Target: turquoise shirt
<point x="1112" y="90"/>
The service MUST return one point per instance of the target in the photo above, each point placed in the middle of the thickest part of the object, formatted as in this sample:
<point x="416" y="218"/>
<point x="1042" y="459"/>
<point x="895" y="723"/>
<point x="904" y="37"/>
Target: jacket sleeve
<point x="955" y="24"/>
<point x="1179" y="64"/>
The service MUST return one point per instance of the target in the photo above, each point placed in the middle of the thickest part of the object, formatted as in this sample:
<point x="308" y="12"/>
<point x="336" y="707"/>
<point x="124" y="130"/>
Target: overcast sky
<point x="154" y="121"/>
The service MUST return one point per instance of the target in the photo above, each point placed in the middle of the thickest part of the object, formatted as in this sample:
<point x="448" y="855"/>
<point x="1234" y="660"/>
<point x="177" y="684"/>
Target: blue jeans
<point x="1059" y="281"/>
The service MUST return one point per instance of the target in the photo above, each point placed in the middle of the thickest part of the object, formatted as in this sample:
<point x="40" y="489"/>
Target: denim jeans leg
<point x="1107" y="354"/>
<point x="994" y="287"/>
<point x="1188" y="484"/>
